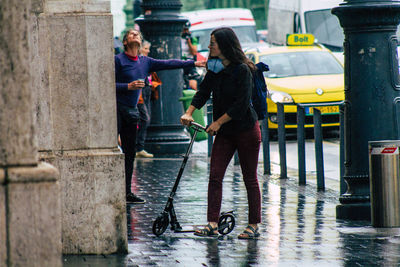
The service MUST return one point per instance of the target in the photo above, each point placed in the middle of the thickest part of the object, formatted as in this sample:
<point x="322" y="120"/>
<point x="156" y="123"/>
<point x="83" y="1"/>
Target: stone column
<point x="76" y="110"/>
<point x="30" y="207"/>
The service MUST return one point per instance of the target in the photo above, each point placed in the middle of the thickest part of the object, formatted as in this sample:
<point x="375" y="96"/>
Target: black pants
<point x="190" y="73"/>
<point x="127" y="118"/>
<point x="145" y="116"/>
<point x="247" y="144"/>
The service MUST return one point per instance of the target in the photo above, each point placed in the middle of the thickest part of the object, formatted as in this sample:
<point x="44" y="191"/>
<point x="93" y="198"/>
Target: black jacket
<point x="231" y="90"/>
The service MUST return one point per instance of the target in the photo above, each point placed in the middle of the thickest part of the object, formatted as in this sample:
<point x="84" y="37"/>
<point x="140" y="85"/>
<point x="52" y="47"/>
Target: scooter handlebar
<point x="197" y="126"/>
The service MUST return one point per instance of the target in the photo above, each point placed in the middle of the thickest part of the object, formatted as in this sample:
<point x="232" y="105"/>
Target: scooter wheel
<point x="160" y="224"/>
<point x="226" y="223"/>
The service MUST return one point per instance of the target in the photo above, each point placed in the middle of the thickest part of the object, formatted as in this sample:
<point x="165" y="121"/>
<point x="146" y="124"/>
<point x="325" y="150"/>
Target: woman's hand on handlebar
<point x="186" y="119"/>
<point x="213" y="128"/>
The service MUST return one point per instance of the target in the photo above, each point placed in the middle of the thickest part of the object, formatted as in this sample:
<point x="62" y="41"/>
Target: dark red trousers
<point x="248" y="146"/>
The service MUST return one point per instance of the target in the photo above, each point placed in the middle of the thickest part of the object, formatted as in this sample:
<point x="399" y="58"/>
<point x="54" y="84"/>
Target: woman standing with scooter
<point x="229" y="79"/>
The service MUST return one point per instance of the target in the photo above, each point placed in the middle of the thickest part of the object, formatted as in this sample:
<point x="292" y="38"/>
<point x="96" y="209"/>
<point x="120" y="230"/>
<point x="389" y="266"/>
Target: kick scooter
<point x="226" y="221"/>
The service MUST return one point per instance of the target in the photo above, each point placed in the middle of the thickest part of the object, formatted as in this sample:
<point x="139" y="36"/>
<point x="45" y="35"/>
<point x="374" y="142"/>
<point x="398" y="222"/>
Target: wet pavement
<point x="299" y="225"/>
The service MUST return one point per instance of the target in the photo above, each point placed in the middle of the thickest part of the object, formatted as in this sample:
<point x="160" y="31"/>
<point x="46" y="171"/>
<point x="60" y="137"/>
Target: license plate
<point x="324" y="110"/>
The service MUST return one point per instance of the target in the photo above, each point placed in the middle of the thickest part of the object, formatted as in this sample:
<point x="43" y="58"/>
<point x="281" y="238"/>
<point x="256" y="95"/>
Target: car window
<point x="326" y="28"/>
<point x="300" y="64"/>
<point x="251" y="57"/>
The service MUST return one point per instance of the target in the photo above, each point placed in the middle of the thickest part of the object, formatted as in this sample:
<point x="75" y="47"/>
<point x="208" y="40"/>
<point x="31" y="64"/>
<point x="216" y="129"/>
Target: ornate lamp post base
<point x="372" y="86"/>
<point x="162" y="27"/>
<point x="166" y="139"/>
<point x="355" y="203"/>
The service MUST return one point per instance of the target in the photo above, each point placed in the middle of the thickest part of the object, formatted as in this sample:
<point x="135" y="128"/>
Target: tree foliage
<point x="191" y="5"/>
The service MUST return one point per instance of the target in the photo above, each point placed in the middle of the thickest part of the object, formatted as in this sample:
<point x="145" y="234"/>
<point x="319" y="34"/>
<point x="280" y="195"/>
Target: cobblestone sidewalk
<point x="299" y="227"/>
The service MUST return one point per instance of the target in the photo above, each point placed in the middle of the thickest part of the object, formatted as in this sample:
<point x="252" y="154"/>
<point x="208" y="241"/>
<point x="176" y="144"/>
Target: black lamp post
<point x="137" y="10"/>
<point x="162" y="25"/>
<point x="372" y="93"/>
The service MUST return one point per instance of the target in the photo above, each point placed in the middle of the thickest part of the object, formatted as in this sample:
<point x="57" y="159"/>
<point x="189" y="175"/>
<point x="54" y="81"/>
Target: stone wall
<point x="76" y="109"/>
<point x="94" y="212"/>
<point x="33" y="216"/>
<point x="30" y="207"/>
<point x="57" y="96"/>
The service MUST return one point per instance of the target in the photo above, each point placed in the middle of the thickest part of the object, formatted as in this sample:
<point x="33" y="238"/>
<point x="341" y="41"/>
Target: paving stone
<point x="298" y="228"/>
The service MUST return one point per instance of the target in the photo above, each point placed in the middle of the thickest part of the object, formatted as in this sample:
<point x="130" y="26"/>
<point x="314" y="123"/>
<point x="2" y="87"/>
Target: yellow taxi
<point x="301" y="72"/>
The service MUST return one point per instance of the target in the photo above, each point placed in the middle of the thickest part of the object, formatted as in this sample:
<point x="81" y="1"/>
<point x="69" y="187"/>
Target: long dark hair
<point x="230" y="47"/>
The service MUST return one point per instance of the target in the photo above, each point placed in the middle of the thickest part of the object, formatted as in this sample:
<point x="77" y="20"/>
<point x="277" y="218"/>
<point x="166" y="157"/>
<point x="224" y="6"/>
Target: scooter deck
<point x="189" y="228"/>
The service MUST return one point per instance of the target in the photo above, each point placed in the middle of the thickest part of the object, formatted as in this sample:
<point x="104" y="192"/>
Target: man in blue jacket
<point x="130" y="73"/>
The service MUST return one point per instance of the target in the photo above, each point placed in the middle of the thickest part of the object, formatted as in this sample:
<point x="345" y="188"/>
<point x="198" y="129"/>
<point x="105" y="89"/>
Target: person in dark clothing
<point x="130" y="73"/>
<point x="189" y="51"/>
<point x="229" y="79"/>
<point x="144" y="107"/>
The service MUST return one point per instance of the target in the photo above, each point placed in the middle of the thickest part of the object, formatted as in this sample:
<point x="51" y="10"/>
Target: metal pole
<point x="301" y="145"/>
<point x="209" y="121"/>
<point x="282" y="139"/>
<point x="319" y="154"/>
<point x="236" y="158"/>
<point x="343" y="186"/>
<point x="265" y="144"/>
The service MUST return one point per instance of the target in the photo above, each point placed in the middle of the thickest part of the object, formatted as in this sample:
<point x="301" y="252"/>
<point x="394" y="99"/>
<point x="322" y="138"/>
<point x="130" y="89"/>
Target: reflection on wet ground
<point x="299" y="227"/>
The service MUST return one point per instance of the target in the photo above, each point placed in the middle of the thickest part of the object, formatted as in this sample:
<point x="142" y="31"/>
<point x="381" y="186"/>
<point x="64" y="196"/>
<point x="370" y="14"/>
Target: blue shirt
<point x="128" y="70"/>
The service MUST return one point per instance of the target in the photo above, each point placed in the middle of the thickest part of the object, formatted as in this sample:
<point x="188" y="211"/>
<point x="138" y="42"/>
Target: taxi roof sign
<point x="300" y="39"/>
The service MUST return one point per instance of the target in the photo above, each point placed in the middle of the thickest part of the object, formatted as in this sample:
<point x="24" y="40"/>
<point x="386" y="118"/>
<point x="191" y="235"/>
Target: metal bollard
<point x="384" y="173"/>
<point x="236" y="158"/>
<point x="282" y="139"/>
<point x="265" y="144"/>
<point x="343" y="186"/>
<point x="319" y="154"/>
<point x="301" y="145"/>
<point x="209" y="121"/>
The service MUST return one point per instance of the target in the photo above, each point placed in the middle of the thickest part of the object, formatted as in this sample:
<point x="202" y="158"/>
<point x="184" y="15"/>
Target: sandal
<point x="249" y="233"/>
<point x="207" y="231"/>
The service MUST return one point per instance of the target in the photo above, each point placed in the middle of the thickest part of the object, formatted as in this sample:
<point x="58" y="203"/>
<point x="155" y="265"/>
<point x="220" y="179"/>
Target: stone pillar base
<point x="30" y="216"/>
<point x="359" y="211"/>
<point x="93" y="197"/>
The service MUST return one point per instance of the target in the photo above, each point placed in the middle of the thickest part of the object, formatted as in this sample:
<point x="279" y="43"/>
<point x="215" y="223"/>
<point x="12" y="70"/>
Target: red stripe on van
<point x="249" y="19"/>
<point x="196" y="23"/>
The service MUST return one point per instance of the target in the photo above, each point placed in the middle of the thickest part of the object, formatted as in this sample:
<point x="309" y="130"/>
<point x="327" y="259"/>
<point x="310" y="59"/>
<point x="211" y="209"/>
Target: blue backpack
<point x="259" y="93"/>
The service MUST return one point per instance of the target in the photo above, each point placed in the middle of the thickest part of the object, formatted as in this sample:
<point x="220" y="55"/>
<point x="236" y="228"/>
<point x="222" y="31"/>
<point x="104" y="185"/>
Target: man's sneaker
<point x="144" y="154"/>
<point x="132" y="198"/>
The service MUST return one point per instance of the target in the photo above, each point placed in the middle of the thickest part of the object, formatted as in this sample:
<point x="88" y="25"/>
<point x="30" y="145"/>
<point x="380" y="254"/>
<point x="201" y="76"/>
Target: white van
<point x="305" y="16"/>
<point x="203" y="22"/>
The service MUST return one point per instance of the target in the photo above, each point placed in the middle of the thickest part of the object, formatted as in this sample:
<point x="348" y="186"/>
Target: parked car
<point x="301" y="73"/>
<point x="203" y="22"/>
